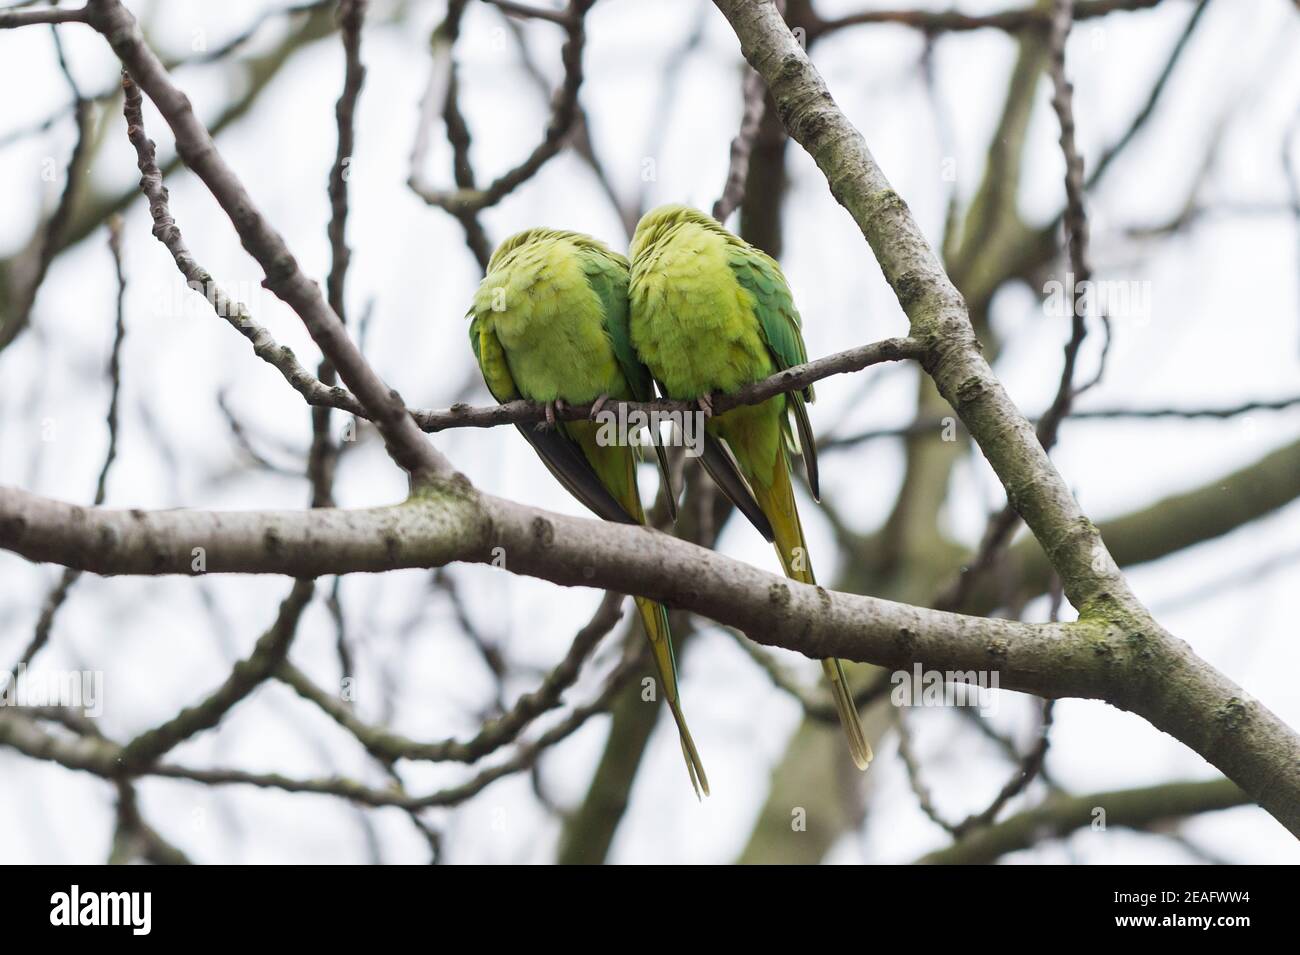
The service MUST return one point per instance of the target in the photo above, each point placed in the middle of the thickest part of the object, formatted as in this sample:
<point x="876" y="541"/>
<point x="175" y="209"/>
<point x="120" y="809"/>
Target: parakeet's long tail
<point x="859" y="748"/>
<point x="776" y="498"/>
<point x="616" y="467"/>
<point x="655" y="618"/>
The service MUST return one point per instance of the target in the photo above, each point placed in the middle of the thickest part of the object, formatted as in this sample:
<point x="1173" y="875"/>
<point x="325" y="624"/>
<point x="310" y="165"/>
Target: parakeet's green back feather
<point x="759" y="274"/>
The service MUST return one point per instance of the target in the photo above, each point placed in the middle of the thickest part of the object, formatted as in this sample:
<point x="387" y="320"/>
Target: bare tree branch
<point x="29" y="277"/>
<point x="1000" y="527"/>
<point x="753" y="97"/>
<point x="247" y="675"/>
<point x="1060" y="815"/>
<point x="59" y="595"/>
<point x="387" y="745"/>
<point x="791" y="379"/>
<point x="531" y="13"/>
<point x="1262" y="758"/>
<point x="1096" y="658"/>
<point x="104" y="758"/>
<point x="21" y="18"/>
<point x="194" y="145"/>
<point x="1029" y="17"/>
<point x="564" y="111"/>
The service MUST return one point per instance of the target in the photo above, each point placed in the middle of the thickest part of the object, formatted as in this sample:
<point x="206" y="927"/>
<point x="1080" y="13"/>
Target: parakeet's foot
<point x="705" y="403"/>
<point x="560" y="405"/>
<point x="598" y="404"/>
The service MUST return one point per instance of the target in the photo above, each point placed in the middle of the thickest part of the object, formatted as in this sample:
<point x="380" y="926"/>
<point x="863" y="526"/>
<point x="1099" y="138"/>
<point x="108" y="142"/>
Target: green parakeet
<point x="711" y="313"/>
<point x="549" y="323"/>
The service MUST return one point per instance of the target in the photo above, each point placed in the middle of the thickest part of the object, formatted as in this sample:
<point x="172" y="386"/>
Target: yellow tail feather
<point x="616" y="466"/>
<point x="859" y="748"/>
<point x="655" y="619"/>
<point x="777" y="502"/>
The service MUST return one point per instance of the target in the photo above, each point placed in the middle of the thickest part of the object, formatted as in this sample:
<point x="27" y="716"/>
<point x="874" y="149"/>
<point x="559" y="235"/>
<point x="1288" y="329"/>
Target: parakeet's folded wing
<point x="562" y="457"/>
<point x="607" y="273"/>
<point x="778" y="319"/>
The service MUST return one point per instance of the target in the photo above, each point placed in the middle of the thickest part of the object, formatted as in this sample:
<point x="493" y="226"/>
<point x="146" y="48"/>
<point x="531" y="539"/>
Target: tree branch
<point x="283" y="276"/>
<point x="564" y="112"/>
<point x="388" y="746"/>
<point x="22" y="18"/>
<point x="1160" y="681"/>
<point x="791" y="379"/>
<point x="951" y="21"/>
<point x="267" y="655"/>
<point x="1249" y="743"/>
<point x="1058" y="816"/>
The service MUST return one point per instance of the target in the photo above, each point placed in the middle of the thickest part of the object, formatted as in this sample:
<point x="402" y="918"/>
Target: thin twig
<point x="199" y="279"/>
<point x="59" y="595"/>
<point x="816" y="706"/>
<point x="754" y="97"/>
<point x="248" y="674"/>
<point x="106" y="759"/>
<point x="791" y="379"/>
<point x="389" y="746"/>
<point x="935" y="426"/>
<point x="52" y="235"/>
<point x="564" y="111"/>
<point x="322" y="459"/>
<point x="931" y="22"/>
<point x="531" y="13"/>
<point x="22" y="18"/>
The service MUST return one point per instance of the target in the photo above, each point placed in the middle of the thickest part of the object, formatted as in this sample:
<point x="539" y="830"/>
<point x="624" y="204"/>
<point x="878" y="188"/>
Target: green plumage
<point x="711" y="313"/>
<point x="549" y="323"/>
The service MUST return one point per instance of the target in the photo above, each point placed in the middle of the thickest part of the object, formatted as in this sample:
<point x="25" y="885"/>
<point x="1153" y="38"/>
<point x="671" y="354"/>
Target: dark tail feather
<point x="669" y="491"/>
<point x="564" y="458"/>
<point x="720" y="464"/>
<point x="807" y="443"/>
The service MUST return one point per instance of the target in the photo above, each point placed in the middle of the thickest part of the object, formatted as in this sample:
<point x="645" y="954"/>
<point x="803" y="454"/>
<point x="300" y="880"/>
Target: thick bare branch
<point x="1159" y="679"/>
<point x="1262" y="759"/>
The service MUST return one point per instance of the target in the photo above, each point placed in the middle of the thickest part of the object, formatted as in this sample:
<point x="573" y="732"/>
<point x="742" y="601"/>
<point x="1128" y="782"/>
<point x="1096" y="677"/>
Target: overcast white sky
<point x="1225" y="327"/>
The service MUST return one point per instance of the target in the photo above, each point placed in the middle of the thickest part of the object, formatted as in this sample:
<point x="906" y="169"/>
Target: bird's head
<point x="659" y="223"/>
<point x="530" y="241"/>
<point x="511" y="247"/>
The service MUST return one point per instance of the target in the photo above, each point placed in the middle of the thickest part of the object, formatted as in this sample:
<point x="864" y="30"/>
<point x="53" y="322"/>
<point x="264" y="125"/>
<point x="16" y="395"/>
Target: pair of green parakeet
<point x="561" y="318"/>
